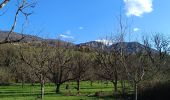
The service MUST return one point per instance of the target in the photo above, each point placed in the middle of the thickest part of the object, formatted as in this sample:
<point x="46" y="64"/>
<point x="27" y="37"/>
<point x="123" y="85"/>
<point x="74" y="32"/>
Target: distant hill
<point x="93" y="44"/>
<point x="128" y="47"/>
<point x="30" y="38"/>
<point x="17" y="36"/>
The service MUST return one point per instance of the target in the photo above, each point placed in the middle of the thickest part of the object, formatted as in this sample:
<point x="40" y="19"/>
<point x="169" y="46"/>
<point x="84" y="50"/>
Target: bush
<point x="5" y="77"/>
<point x="157" y="92"/>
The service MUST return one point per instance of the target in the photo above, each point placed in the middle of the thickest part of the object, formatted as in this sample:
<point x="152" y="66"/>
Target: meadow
<point x="32" y="92"/>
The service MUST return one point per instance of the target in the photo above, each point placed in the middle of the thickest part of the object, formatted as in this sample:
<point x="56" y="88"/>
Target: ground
<point x="29" y="92"/>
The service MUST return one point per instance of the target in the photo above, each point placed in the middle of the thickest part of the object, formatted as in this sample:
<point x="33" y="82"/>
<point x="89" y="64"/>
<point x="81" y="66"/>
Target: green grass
<point x="28" y="92"/>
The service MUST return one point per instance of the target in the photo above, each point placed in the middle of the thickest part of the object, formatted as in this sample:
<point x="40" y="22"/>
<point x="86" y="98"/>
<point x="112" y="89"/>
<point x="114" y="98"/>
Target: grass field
<point x="29" y="92"/>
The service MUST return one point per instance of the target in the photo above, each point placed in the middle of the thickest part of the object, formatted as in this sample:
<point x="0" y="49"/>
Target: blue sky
<point x="85" y="20"/>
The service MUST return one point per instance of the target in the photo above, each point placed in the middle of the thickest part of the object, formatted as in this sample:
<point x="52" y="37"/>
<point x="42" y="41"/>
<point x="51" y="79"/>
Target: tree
<point x="9" y="58"/>
<point x="3" y="3"/>
<point x="135" y="66"/>
<point x="80" y="67"/>
<point x="36" y="57"/>
<point x="23" y="73"/>
<point x="59" y="68"/>
<point x="23" y="7"/>
<point x="158" y="57"/>
<point x="147" y="63"/>
<point x="109" y="66"/>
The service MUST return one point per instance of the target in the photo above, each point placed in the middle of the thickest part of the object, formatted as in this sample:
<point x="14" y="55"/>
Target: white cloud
<point x="81" y="28"/>
<point x="136" y="29"/>
<point x="138" y="7"/>
<point x="66" y="36"/>
<point x="104" y="41"/>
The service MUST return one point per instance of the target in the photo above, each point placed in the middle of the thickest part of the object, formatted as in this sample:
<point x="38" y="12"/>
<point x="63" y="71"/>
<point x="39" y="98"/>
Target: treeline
<point x="61" y="63"/>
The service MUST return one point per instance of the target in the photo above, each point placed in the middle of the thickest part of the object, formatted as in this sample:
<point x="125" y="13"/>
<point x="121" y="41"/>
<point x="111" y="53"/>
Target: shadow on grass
<point x="109" y="96"/>
<point x="26" y="94"/>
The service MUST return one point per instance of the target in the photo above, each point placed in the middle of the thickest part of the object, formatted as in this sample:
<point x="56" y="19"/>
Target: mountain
<point x="30" y="38"/>
<point x="17" y="36"/>
<point x="93" y="44"/>
<point x="128" y="47"/>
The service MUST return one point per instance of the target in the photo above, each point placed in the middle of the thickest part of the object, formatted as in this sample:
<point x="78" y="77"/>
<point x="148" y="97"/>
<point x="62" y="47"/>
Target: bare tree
<point x="157" y="49"/>
<point x="37" y="59"/>
<point x="3" y="3"/>
<point x="22" y="7"/>
<point x="147" y="63"/>
<point x="135" y="67"/>
<point x="109" y="67"/>
<point x="59" y="66"/>
<point x="80" y="67"/>
<point x="9" y="58"/>
<point x="23" y="73"/>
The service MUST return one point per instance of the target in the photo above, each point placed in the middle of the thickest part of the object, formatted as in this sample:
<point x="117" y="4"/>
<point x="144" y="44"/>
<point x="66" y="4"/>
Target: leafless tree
<point x="135" y="67"/>
<point x="37" y="57"/>
<point x="80" y="67"/>
<point x="23" y="73"/>
<point x="157" y="49"/>
<point x="59" y="66"/>
<point x="3" y="3"/>
<point x="23" y="7"/>
<point x="109" y="67"/>
<point x="147" y="63"/>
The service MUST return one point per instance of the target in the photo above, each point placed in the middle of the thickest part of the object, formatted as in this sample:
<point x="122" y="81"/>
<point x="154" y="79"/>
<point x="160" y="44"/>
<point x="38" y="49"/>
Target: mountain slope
<point x="30" y="38"/>
<point x="17" y="36"/>
<point x="93" y="44"/>
<point x="128" y="47"/>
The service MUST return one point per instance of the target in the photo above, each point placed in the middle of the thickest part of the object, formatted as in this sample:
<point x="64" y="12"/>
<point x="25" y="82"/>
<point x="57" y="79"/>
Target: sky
<point x="89" y="20"/>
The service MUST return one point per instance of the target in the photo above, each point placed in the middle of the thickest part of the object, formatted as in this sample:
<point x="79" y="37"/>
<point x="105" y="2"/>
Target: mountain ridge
<point x="128" y="47"/>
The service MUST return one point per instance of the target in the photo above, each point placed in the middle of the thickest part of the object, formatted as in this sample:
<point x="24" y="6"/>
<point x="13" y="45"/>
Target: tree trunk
<point x="23" y="81"/>
<point x="22" y="84"/>
<point x="32" y="83"/>
<point x="136" y="91"/>
<point x="115" y="88"/>
<point x="91" y="83"/>
<point x="115" y="82"/>
<point x="42" y="88"/>
<point x="78" y="86"/>
<point x="123" y="85"/>
<point x="58" y="88"/>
